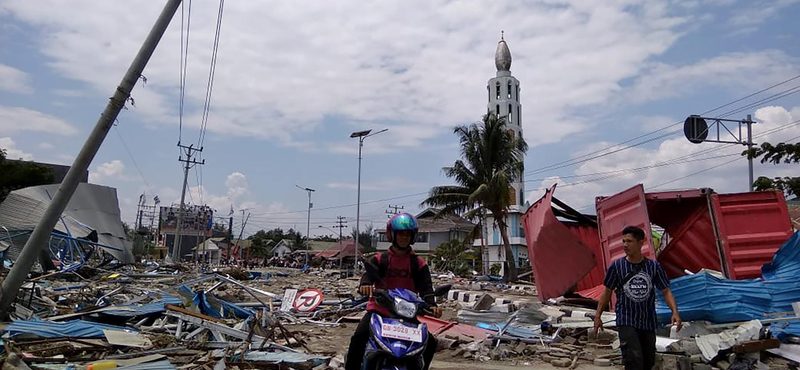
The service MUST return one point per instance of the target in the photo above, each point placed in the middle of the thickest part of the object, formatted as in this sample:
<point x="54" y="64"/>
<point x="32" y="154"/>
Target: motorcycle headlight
<point x="405" y="309"/>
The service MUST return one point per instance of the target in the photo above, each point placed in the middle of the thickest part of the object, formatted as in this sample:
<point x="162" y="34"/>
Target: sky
<point x="294" y="79"/>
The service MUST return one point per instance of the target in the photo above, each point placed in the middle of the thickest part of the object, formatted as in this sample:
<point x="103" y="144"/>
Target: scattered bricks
<point x="701" y="367"/>
<point x="483" y="303"/>
<point x="669" y="362"/>
<point x="460" y="352"/>
<point x="602" y="362"/>
<point x="723" y="365"/>
<point x="445" y="343"/>
<point x="548" y="358"/>
<point x="695" y="359"/>
<point x="562" y="362"/>
<point x="570" y="340"/>
<point x="521" y="347"/>
<point x="605" y="337"/>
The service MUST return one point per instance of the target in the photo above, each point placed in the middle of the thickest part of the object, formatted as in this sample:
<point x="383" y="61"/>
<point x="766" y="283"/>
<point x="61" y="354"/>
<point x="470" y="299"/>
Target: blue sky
<point x="293" y="80"/>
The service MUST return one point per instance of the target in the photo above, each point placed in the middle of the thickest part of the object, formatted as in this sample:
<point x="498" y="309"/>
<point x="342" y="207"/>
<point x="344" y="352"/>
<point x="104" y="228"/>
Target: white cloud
<point x="419" y="67"/>
<point x="14" y="80"/>
<point x="69" y="93"/>
<point x="385" y="184"/>
<point x="733" y="70"/>
<point x="46" y="146"/>
<point x="759" y="12"/>
<point x="23" y="119"/>
<point x="11" y="150"/>
<point x="578" y="188"/>
<point x="104" y="172"/>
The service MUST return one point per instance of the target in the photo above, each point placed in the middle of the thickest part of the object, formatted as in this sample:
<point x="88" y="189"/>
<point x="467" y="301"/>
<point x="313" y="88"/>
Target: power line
<point x="211" y="72"/>
<point x="587" y="157"/>
<point x="345" y="205"/>
<point x="184" y="63"/>
<point x="124" y="145"/>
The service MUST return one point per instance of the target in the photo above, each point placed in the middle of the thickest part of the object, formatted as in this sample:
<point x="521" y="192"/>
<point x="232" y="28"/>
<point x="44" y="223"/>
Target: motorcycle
<point x="398" y="342"/>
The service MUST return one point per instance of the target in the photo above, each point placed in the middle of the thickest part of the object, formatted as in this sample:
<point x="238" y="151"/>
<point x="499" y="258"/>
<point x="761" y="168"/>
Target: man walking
<point x="634" y="279"/>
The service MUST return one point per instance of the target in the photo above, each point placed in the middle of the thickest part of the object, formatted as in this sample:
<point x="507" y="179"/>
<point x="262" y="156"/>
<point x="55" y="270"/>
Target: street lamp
<point x="361" y="135"/>
<point x="308" y="225"/>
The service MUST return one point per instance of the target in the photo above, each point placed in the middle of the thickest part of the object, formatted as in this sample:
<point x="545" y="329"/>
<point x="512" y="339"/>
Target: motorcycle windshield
<point x="389" y="341"/>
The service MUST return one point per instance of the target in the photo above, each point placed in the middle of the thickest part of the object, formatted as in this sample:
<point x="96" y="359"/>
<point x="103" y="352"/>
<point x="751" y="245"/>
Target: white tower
<point x="504" y="101"/>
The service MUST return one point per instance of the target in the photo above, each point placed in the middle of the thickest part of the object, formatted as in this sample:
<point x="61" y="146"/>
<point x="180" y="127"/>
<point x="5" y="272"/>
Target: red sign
<point x="308" y="300"/>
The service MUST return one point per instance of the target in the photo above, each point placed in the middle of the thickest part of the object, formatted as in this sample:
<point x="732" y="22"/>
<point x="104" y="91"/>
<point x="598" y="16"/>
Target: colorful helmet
<point x="401" y="221"/>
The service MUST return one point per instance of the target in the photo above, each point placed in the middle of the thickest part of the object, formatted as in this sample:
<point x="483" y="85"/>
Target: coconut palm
<point x="491" y="161"/>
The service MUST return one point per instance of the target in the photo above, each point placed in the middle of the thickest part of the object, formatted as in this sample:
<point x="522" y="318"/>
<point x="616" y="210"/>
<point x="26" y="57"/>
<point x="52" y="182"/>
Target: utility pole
<point x="239" y="242"/>
<point x="41" y="233"/>
<point x="308" y="225"/>
<point x="341" y="223"/>
<point x="188" y="163"/>
<point x="395" y="208"/>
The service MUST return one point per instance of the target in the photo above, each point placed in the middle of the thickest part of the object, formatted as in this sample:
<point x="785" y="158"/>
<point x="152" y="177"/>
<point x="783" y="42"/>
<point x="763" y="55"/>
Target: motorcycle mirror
<point x="442" y="290"/>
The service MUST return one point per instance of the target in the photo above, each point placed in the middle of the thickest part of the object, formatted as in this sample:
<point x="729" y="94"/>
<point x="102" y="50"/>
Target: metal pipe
<point x="84" y="158"/>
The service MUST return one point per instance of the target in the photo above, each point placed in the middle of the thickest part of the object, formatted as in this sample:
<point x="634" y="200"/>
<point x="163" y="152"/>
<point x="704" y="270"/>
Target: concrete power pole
<point x="41" y="233"/>
<point x="341" y="223"/>
<point x="393" y="210"/>
<point x="188" y="163"/>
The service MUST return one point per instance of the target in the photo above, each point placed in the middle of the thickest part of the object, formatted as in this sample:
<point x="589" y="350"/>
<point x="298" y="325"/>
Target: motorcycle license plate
<point x="402" y="332"/>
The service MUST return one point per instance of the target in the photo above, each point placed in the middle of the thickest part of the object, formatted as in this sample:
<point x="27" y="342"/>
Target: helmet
<point x="401" y="221"/>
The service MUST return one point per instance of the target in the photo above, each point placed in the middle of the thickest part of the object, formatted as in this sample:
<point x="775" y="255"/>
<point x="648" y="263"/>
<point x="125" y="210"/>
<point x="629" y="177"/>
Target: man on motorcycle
<point x="399" y="267"/>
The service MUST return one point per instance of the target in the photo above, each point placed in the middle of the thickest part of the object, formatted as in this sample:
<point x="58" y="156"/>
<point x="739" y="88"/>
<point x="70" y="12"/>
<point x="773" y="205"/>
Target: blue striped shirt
<point x="636" y="298"/>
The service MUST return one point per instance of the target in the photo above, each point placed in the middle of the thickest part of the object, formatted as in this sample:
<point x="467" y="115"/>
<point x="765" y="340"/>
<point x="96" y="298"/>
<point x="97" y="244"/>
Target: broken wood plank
<point x="757" y="345"/>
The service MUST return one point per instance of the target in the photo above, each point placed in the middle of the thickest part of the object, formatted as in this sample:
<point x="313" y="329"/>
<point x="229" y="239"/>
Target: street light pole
<point x="308" y="225"/>
<point x="361" y="135"/>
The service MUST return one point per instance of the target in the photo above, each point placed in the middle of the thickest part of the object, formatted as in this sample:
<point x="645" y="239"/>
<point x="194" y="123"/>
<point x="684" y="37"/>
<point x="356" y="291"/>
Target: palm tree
<point x="491" y="161"/>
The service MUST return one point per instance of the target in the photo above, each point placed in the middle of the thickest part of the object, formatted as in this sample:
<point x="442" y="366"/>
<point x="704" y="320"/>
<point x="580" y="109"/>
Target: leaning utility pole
<point x="239" y="243"/>
<point x="188" y="163"/>
<point x="40" y="235"/>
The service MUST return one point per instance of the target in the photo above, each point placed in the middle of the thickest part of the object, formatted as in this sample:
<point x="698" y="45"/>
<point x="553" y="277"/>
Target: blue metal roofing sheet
<point x="69" y="329"/>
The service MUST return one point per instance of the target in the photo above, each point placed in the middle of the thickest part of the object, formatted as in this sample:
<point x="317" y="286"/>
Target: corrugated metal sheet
<point x="549" y="241"/>
<point x="590" y="237"/>
<point x="93" y="207"/>
<point x="704" y="297"/>
<point x="614" y="213"/>
<point x="686" y="217"/>
<point x="752" y="228"/>
<point x="70" y="329"/>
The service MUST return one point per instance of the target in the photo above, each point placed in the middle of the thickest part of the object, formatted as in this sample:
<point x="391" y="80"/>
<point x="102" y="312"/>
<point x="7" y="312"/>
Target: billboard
<point x="197" y="220"/>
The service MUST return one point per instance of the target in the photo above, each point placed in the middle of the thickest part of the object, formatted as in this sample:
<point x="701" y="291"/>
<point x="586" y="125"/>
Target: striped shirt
<point x="636" y="298"/>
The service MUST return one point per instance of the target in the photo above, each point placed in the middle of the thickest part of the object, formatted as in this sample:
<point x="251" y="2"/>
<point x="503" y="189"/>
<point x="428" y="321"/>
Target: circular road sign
<point x="695" y="129"/>
<point x="308" y="300"/>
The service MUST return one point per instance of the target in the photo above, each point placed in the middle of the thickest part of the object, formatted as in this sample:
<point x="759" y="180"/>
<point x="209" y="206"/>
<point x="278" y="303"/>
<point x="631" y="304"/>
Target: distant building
<point x="281" y="249"/>
<point x="59" y="171"/>
<point x="433" y="231"/>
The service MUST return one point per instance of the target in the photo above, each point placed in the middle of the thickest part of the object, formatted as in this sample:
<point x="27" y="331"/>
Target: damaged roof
<point x="91" y="208"/>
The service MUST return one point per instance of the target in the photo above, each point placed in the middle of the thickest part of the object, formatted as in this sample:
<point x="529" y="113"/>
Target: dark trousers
<point x="638" y="348"/>
<point x="358" y="345"/>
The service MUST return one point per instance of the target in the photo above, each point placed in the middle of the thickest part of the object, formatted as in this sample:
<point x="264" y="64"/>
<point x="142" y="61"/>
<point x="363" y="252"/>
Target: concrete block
<point x="701" y="367"/>
<point x="602" y="362"/>
<point x="563" y="362"/>
<point x="504" y="308"/>
<point x="484" y="302"/>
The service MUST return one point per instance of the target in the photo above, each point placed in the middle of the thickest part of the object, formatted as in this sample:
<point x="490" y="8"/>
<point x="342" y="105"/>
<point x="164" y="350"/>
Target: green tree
<point x="456" y="256"/>
<point x="777" y="154"/>
<point x="491" y="161"/>
<point x="365" y="238"/>
<point x="20" y="174"/>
